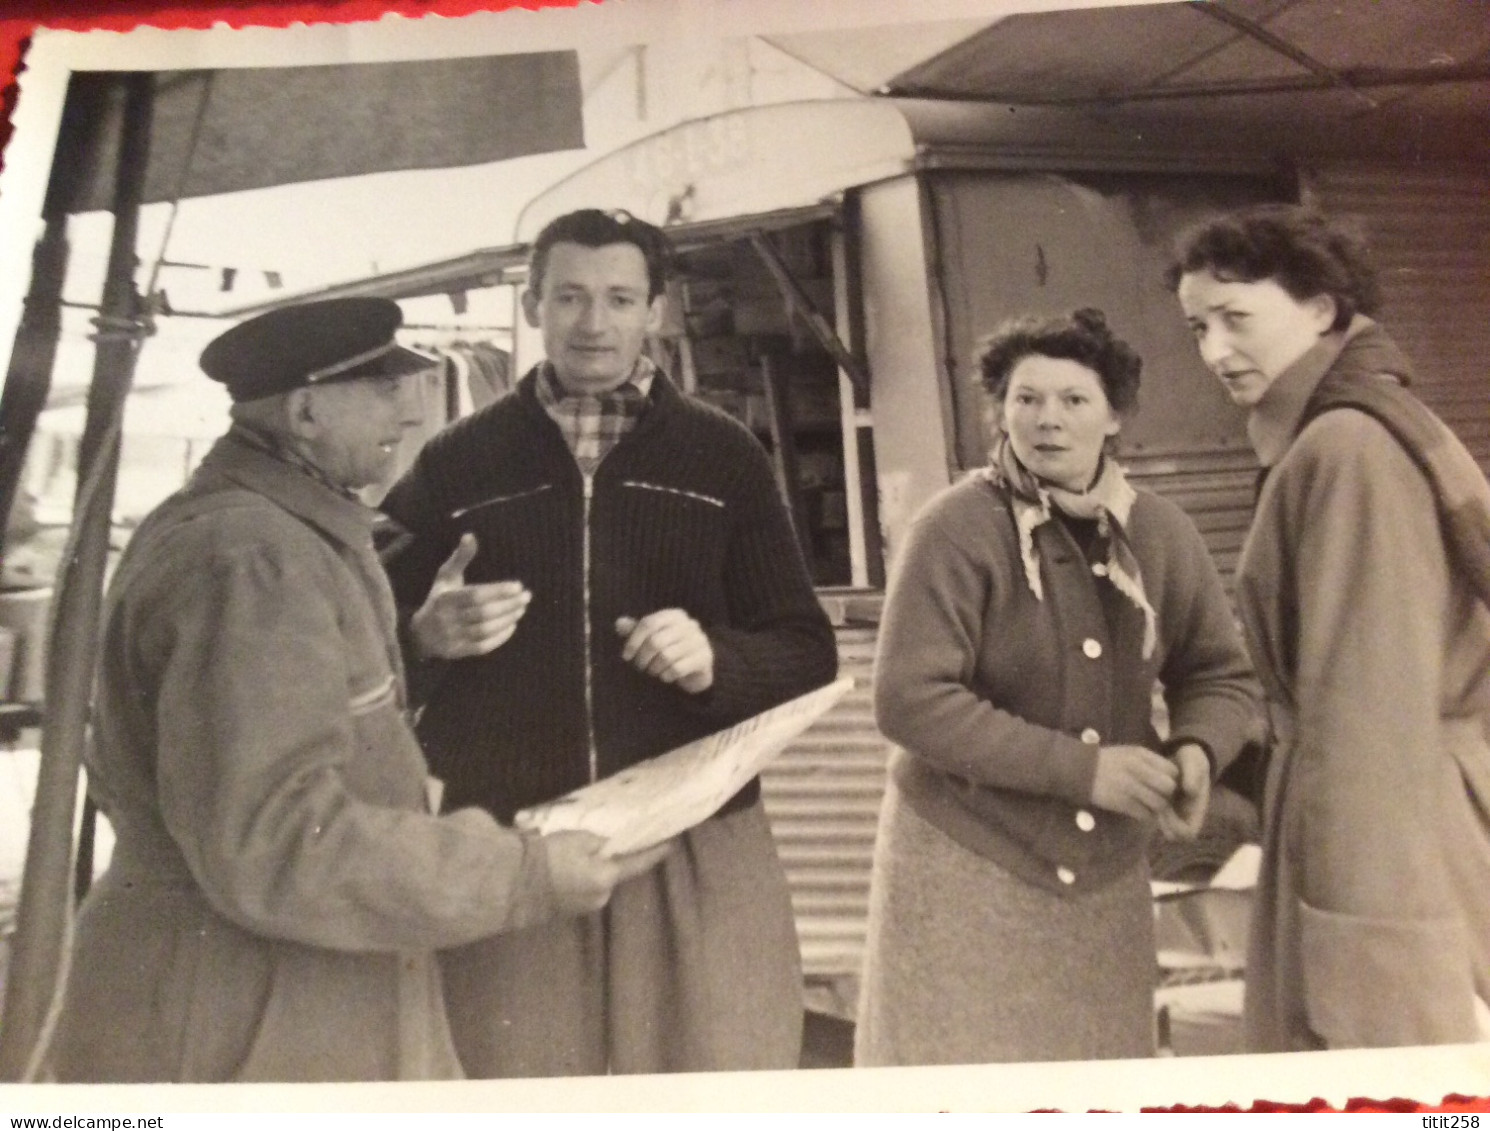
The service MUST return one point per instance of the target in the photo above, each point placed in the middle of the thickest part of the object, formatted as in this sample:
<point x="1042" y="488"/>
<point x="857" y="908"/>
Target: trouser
<point x="691" y="967"/>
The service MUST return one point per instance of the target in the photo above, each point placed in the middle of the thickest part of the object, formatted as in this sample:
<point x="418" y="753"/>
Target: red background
<point x="22" y="17"/>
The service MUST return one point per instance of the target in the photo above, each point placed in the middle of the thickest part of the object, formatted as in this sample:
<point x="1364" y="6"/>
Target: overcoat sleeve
<point x="930" y="639"/>
<point x="1384" y="953"/>
<point x="266" y="769"/>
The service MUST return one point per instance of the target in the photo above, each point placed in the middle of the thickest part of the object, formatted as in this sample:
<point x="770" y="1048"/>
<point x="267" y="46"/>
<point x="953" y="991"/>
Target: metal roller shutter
<point x="1429" y="231"/>
<point x="823" y="798"/>
<point x="1214" y="488"/>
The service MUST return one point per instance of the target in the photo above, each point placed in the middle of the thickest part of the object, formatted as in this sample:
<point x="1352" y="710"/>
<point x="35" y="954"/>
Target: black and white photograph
<point x="731" y="555"/>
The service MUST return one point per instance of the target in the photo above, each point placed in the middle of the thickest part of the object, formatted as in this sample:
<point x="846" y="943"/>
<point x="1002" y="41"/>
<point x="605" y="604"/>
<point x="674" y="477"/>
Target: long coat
<point x="278" y="884"/>
<point x="1372" y="925"/>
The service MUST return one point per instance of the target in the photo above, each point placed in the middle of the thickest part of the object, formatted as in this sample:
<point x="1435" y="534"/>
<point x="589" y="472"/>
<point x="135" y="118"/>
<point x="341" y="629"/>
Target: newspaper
<point x="649" y="802"/>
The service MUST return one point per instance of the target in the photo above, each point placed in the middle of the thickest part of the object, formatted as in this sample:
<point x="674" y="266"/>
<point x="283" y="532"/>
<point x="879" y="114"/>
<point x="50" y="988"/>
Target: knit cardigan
<point x="1002" y="700"/>
<point x="682" y="513"/>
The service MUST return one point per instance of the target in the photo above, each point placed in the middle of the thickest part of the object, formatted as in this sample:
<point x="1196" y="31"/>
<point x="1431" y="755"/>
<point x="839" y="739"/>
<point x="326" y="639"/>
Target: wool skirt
<point x="966" y="963"/>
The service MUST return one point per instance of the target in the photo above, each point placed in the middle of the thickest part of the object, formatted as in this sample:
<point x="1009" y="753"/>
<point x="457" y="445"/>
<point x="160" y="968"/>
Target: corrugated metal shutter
<point x="1429" y="231"/>
<point x="1215" y="488"/>
<point x="823" y="798"/>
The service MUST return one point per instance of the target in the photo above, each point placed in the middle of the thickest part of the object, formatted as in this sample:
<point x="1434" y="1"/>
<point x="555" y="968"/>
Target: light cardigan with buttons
<point x="1000" y="701"/>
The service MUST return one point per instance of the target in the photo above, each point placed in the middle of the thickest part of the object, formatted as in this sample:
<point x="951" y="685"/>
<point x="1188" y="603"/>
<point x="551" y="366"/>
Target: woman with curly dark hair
<point x="1032" y="609"/>
<point x="1363" y="589"/>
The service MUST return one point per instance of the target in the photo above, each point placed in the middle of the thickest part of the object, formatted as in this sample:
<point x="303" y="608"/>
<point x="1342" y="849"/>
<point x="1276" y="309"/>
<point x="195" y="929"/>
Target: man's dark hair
<point x="595" y="227"/>
<point x="1296" y="247"/>
<point x="1082" y="336"/>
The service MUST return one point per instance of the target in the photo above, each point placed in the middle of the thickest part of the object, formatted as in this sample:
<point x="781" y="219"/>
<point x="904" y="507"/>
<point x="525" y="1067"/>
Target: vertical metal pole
<point x="784" y="456"/>
<point x="867" y="484"/>
<point x="46" y="888"/>
<point x="75" y="170"/>
<point x="29" y="378"/>
<point x="849" y="414"/>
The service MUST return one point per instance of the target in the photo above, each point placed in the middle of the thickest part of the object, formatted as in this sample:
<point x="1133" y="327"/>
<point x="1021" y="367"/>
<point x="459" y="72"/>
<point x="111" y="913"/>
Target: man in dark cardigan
<point x="601" y="569"/>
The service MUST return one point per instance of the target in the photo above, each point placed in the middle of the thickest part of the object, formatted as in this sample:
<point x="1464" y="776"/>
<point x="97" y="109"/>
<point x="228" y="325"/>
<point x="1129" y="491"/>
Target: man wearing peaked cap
<point x="279" y="882"/>
<point x="339" y="339"/>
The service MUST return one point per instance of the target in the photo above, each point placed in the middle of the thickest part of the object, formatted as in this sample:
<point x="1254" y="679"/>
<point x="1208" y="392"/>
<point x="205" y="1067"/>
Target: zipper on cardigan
<point x="589" y="481"/>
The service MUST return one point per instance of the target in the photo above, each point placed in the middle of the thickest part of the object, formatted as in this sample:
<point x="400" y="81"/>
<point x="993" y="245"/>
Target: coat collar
<point x="344" y="519"/>
<point x="1363" y="347"/>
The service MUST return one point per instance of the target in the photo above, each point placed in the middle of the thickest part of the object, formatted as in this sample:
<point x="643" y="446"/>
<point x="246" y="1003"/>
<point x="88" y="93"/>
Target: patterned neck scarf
<point x="1109" y="501"/>
<point x="275" y="446"/>
<point x="593" y="424"/>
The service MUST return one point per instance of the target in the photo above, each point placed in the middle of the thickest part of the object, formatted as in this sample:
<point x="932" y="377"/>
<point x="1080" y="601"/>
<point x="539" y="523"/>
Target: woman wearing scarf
<point x="1033" y="608"/>
<point x="1363" y="590"/>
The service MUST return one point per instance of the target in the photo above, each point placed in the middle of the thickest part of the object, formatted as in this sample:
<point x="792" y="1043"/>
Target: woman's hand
<point x="1134" y="781"/>
<point x="1182" y="819"/>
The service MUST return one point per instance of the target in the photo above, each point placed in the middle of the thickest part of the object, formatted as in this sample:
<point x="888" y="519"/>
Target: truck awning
<point x="498" y="266"/>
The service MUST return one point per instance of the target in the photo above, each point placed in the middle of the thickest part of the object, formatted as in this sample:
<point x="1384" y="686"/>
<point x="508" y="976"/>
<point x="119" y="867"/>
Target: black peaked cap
<point x="310" y="343"/>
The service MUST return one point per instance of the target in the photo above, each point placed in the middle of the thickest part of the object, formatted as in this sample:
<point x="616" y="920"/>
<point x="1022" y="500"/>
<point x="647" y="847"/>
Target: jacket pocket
<point x="497" y="500"/>
<point x="684" y="567"/>
<point x="1373" y="982"/>
<point x="224" y="990"/>
<point x="676" y="492"/>
<point x="329" y="1016"/>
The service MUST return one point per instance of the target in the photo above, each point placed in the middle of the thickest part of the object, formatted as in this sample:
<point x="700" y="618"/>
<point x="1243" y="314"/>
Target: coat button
<point x="1092" y="648"/>
<point x="1090" y="736"/>
<point x="1065" y="875"/>
<point x="1099" y="568"/>
<point x="1085" y="821"/>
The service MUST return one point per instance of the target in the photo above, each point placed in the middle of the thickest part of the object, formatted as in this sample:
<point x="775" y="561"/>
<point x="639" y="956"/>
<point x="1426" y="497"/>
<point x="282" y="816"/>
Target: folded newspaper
<point x="651" y="801"/>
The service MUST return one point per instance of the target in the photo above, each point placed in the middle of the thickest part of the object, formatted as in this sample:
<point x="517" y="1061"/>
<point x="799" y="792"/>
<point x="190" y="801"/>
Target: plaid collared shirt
<point x="593" y="425"/>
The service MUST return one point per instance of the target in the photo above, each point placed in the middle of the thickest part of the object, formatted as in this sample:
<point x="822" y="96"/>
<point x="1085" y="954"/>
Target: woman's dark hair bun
<point x="1090" y="318"/>
<point x="1082" y="336"/>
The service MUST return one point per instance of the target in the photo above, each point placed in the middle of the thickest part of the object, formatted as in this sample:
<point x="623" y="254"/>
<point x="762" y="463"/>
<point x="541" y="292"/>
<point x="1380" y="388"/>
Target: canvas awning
<point x="495" y="266"/>
<point x="1404" y="72"/>
<point x="230" y="130"/>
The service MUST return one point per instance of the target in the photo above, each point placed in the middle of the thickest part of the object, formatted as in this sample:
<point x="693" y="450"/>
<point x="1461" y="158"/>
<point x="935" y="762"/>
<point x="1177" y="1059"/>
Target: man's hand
<point x="1134" y="780"/>
<point x="582" y="875"/>
<point x="671" y="646"/>
<point x="459" y="620"/>
<point x="1183" y="818"/>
